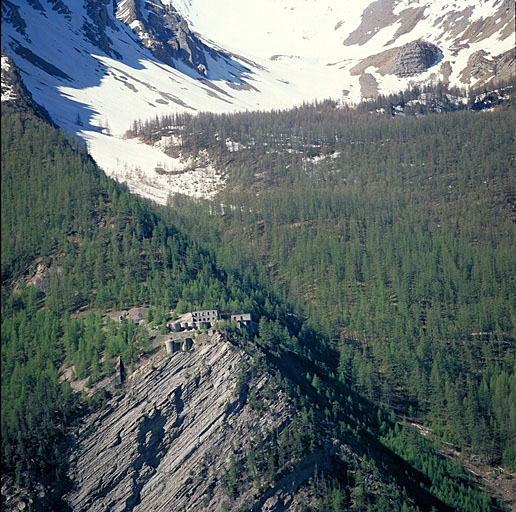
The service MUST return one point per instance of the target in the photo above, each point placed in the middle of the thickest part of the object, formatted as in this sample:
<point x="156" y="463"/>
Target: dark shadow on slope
<point x="294" y="368"/>
<point x="150" y="449"/>
<point x="37" y="61"/>
<point x="80" y="68"/>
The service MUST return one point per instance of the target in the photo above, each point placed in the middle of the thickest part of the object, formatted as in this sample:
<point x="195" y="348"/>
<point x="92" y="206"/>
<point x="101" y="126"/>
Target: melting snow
<point x="149" y="172"/>
<point x="303" y="38"/>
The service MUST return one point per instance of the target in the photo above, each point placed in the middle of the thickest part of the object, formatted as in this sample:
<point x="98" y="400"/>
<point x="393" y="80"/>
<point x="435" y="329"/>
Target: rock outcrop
<point x="15" y="96"/>
<point x="506" y="65"/>
<point x="415" y="58"/>
<point x="95" y="28"/>
<point x="166" y="442"/>
<point x="164" y="32"/>
<point x="408" y="60"/>
<point x="481" y="68"/>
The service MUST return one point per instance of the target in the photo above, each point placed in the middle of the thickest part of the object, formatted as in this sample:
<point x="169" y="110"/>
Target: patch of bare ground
<point x="161" y="171"/>
<point x="497" y="480"/>
<point x="453" y="24"/>
<point x="38" y="276"/>
<point x="408" y="19"/>
<point x="377" y="16"/>
<point x="368" y="86"/>
<point x="383" y="62"/>
<point x="477" y="66"/>
<point x="446" y="71"/>
<point x="242" y="86"/>
<point x="508" y="30"/>
<point x="482" y="29"/>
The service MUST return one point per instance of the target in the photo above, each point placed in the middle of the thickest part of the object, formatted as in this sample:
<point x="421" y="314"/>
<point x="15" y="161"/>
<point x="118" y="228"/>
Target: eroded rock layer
<point x="415" y="58"/>
<point x="162" y="30"/>
<point x="166" y="442"/>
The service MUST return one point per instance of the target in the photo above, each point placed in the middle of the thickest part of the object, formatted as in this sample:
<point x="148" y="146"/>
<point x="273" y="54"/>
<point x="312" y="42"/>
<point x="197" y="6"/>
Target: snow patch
<point x="233" y="146"/>
<point x="8" y="93"/>
<point x="150" y="173"/>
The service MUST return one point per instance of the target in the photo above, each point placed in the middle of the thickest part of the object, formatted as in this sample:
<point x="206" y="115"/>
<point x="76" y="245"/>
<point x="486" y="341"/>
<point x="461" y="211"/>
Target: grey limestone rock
<point x="19" y="99"/>
<point x="164" y="32"/>
<point x="415" y="58"/>
<point x="165" y="442"/>
<point x="95" y="27"/>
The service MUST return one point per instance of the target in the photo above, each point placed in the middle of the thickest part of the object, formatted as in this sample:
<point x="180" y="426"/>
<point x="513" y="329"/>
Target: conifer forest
<point x="376" y="252"/>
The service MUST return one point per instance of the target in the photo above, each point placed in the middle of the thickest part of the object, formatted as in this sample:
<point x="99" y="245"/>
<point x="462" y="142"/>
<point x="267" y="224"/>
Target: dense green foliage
<point x="351" y="475"/>
<point x="82" y="240"/>
<point x="36" y="407"/>
<point x="75" y="244"/>
<point x="394" y="237"/>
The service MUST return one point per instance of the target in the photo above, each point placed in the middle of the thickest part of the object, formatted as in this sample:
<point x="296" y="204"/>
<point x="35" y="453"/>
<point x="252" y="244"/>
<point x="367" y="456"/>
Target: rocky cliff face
<point x="482" y="68"/>
<point x="408" y="60"/>
<point x="162" y="30"/>
<point x="415" y="58"/>
<point x="15" y="95"/>
<point x="221" y="428"/>
<point x="166" y="442"/>
<point x="95" y="28"/>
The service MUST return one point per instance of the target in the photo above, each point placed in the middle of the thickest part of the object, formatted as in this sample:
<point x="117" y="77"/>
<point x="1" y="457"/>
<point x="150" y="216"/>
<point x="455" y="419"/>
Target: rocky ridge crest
<point x="164" y="32"/>
<point x="15" y="96"/>
<point x="415" y="58"/>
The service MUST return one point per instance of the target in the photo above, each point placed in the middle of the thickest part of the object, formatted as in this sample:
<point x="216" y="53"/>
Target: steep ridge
<point x="15" y="96"/>
<point x="166" y="442"/>
<point x="164" y="32"/>
<point x="213" y="429"/>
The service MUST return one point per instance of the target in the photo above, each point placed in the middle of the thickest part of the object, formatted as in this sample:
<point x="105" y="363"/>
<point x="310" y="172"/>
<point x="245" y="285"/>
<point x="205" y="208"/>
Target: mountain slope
<point x="319" y="444"/>
<point x="394" y="237"/>
<point x="15" y="96"/>
<point x="98" y="66"/>
<point x="72" y="238"/>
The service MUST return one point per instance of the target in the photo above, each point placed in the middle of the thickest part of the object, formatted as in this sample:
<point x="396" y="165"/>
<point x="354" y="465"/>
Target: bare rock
<point x="408" y="60"/>
<point x="95" y="28"/>
<point x="164" y="32"/>
<point x="166" y="443"/>
<point x="415" y="58"/>
<point x="506" y="65"/>
<point x="482" y="67"/>
<point x="368" y="86"/>
<point x="15" y="96"/>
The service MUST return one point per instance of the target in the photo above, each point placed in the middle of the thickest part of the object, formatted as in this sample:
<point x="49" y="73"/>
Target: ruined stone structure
<point x="187" y="344"/>
<point x="180" y="344"/>
<point x="202" y="320"/>
<point x="206" y="316"/>
<point x="243" y="320"/>
<point x="195" y="320"/>
<point x="136" y="314"/>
